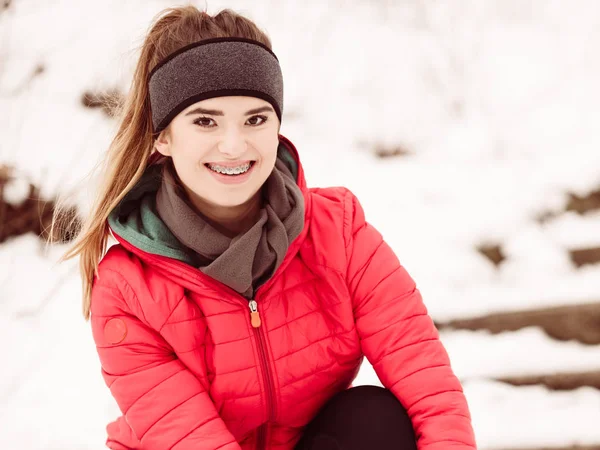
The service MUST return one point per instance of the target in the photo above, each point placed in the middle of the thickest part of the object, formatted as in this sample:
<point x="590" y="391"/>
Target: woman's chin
<point x="232" y="200"/>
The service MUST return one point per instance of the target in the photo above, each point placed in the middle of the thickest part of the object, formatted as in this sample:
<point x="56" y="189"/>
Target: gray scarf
<point x="248" y="260"/>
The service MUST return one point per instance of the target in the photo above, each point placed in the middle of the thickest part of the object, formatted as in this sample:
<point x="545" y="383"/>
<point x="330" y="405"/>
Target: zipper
<point x="254" y="314"/>
<point x="261" y="437"/>
<point x="267" y="373"/>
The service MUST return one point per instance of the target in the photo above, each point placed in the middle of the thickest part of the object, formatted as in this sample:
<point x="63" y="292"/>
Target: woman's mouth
<point x="231" y="170"/>
<point x="230" y="174"/>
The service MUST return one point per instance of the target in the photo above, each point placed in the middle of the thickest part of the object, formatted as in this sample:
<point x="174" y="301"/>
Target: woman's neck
<point x="229" y="220"/>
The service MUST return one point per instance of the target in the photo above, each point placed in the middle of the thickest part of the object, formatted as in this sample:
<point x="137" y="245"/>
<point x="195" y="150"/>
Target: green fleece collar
<point x="135" y="219"/>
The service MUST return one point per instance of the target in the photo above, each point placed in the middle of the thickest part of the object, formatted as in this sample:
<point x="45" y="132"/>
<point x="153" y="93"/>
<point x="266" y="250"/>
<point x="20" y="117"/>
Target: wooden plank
<point x="557" y="381"/>
<point x="587" y="203"/>
<point x="583" y="256"/>
<point x="574" y="322"/>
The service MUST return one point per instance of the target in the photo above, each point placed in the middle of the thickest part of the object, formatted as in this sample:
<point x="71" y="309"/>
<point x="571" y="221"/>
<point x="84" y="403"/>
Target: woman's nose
<point x="233" y="143"/>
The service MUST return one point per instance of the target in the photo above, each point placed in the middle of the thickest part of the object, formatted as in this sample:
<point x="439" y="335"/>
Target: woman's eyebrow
<point x="216" y="112"/>
<point x="212" y="112"/>
<point x="259" y="110"/>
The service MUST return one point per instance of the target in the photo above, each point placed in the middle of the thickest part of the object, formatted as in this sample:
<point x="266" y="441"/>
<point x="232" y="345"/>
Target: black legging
<point x="360" y="418"/>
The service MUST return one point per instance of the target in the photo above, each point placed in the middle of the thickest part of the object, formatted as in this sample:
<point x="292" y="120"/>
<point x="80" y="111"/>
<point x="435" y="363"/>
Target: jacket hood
<point x="136" y="221"/>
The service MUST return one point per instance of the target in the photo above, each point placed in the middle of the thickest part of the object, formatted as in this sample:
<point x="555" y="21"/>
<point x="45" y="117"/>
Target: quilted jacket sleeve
<point x="164" y="405"/>
<point x="400" y="340"/>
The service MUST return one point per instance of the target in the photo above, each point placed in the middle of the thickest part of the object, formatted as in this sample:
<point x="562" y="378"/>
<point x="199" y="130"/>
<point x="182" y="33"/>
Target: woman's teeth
<point x="230" y="170"/>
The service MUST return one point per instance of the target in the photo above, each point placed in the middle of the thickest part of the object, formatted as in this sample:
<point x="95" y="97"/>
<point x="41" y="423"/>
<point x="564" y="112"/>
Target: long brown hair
<point x="129" y="152"/>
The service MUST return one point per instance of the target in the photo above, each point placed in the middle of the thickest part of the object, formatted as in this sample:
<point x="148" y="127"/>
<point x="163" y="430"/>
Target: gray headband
<point x="214" y="68"/>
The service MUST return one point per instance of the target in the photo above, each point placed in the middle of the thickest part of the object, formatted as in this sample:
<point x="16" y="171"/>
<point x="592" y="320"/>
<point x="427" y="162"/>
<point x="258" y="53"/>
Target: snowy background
<point x="494" y="106"/>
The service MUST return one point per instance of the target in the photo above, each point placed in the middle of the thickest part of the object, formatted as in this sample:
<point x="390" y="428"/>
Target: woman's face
<point x="223" y="149"/>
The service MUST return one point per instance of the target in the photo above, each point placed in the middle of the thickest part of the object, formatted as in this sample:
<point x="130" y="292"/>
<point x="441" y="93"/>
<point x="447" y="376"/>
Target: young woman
<point x="238" y="304"/>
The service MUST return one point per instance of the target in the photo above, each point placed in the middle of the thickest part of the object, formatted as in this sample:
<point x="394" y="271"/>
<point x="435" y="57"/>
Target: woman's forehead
<point x="231" y="104"/>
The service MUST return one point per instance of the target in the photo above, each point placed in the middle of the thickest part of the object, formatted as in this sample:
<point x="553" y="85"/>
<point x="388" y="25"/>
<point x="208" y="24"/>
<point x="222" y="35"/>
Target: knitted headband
<point x="214" y="68"/>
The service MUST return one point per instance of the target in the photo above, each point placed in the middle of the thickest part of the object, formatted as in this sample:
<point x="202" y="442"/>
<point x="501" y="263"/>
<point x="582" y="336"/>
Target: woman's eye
<point x="257" y="120"/>
<point x="204" y="122"/>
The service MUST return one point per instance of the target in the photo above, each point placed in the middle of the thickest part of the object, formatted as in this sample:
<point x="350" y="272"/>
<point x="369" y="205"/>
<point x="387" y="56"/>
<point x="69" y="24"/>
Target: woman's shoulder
<point x="335" y="205"/>
<point x="333" y="194"/>
<point x="117" y="267"/>
<point x="333" y="199"/>
<point x="124" y="282"/>
<point x="331" y="219"/>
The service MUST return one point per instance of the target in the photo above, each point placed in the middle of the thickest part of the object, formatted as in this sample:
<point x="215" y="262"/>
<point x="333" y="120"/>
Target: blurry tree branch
<point x="33" y="215"/>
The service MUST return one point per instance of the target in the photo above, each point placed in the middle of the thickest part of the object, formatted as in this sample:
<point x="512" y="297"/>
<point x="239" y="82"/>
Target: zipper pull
<point x="254" y="315"/>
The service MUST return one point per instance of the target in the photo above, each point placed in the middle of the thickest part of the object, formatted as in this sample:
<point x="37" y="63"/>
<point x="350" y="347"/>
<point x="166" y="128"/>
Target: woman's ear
<point x="162" y="144"/>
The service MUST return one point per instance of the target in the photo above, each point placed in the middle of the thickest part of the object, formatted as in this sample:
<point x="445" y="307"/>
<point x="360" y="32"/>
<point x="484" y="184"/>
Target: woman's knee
<point x="362" y="416"/>
<point x="375" y="403"/>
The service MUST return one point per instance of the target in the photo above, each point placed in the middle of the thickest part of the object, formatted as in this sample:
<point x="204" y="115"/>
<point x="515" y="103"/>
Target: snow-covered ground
<point x="496" y="100"/>
<point x="525" y="352"/>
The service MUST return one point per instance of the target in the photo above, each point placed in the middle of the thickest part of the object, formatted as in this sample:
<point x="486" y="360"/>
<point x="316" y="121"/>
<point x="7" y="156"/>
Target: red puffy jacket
<point x="189" y="371"/>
